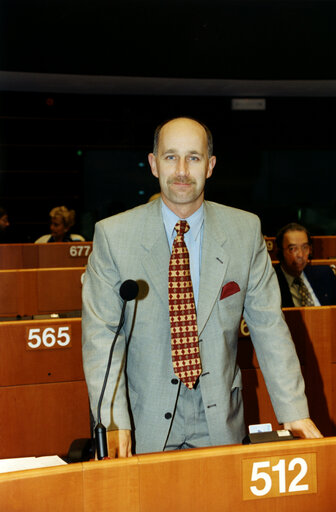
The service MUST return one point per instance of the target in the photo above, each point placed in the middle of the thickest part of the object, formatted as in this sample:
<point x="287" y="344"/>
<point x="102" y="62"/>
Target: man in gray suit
<point x="145" y="407"/>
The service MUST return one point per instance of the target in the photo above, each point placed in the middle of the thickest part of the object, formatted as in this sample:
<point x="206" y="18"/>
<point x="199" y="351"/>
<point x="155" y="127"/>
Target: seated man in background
<point x="302" y="284"/>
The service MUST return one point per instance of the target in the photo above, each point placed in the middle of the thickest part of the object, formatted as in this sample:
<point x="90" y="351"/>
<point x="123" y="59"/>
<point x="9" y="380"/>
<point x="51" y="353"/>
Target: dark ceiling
<point x="235" y="39"/>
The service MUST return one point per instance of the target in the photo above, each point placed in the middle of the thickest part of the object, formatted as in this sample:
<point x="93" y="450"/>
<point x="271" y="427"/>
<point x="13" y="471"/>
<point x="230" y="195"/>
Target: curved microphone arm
<point x="128" y="291"/>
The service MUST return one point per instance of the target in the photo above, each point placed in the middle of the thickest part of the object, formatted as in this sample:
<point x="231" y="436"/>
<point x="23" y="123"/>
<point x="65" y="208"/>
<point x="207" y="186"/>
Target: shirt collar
<point x="290" y="278"/>
<point x="195" y="220"/>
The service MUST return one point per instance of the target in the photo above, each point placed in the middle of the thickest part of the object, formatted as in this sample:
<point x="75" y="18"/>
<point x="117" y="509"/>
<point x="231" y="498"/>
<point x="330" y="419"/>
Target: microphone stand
<point x="100" y="430"/>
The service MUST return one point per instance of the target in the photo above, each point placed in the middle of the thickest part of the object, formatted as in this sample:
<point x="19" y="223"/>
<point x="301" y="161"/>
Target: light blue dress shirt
<point x="193" y="239"/>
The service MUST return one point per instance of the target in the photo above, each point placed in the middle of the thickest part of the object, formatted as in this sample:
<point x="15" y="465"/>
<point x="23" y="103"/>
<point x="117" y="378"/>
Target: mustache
<point x="181" y="179"/>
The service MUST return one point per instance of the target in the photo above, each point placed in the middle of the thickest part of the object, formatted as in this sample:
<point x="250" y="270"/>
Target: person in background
<point x="61" y="221"/>
<point x="302" y="284"/>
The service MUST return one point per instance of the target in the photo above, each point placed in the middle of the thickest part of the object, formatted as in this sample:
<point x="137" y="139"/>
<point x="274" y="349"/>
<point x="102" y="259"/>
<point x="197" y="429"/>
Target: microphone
<point x="129" y="290"/>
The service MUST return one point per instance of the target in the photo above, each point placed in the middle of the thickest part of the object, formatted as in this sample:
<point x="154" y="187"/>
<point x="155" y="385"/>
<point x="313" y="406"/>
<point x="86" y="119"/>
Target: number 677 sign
<point x="279" y="476"/>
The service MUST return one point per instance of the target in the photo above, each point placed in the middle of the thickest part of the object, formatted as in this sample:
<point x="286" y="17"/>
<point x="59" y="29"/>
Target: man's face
<point x="296" y="250"/>
<point x="182" y="165"/>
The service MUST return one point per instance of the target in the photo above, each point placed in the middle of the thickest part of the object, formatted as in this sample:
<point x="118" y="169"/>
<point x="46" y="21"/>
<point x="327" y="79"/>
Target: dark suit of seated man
<point x="302" y="284"/>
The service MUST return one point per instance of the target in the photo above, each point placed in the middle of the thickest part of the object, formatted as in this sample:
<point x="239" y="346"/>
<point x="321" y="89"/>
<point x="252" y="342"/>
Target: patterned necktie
<point x="182" y="312"/>
<point x="306" y="298"/>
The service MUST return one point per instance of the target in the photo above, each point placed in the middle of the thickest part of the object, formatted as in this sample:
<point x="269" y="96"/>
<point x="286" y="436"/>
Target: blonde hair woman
<point x="61" y="220"/>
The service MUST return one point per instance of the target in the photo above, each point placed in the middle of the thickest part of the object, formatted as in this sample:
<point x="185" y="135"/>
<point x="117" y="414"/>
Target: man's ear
<point x="211" y="165"/>
<point x="152" y="163"/>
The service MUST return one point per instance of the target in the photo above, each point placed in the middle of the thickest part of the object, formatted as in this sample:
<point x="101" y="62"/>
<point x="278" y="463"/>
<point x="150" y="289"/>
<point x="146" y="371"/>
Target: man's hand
<point x="119" y="443"/>
<point x="305" y="428"/>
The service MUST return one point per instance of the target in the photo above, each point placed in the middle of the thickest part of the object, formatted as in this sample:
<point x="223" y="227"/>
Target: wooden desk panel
<point x="118" y="487"/>
<point x="313" y="333"/>
<point x="15" y="256"/>
<point x="57" y="489"/>
<point x="324" y="246"/>
<point x="20" y="256"/>
<point x="40" y="291"/>
<point x="18" y="293"/>
<point x="208" y="479"/>
<point x="20" y="365"/>
<point x="43" y="419"/>
<point x="59" y="290"/>
<point x="316" y="327"/>
<point x="42" y="390"/>
<point x="211" y="479"/>
<point x="74" y="254"/>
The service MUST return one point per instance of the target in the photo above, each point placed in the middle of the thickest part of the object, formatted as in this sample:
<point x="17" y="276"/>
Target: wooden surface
<point x="208" y="479"/>
<point x="54" y="377"/>
<point x="40" y="291"/>
<point x="20" y="256"/>
<point x="20" y="365"/>
<point x="43" y="394"/>
<point x="313" y="332"/>
<point x="43" y="419"/>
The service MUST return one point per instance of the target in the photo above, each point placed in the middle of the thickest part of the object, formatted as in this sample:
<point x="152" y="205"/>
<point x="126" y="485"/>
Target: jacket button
<point x="174" y="381"/>
<point x="168" y="415"/>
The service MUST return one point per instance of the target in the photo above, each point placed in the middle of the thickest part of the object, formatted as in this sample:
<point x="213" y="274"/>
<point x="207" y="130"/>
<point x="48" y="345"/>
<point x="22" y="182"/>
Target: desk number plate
<point x="279" y="476"/>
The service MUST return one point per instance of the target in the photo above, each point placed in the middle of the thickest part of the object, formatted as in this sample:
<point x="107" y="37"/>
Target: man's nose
<point x="182" y="167"/>
<point x="299" y="252"/>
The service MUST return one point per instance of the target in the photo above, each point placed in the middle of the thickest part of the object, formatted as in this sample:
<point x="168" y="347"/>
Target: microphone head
<point x="129" y="289"/>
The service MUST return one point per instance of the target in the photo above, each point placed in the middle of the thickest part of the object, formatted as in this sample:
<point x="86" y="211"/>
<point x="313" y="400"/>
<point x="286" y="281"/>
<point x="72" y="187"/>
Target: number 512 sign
<point x="279" y="476"/>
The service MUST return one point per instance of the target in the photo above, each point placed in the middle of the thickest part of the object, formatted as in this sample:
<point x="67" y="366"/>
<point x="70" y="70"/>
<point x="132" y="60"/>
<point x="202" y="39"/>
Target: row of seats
<point x="15" y="256"/>
<point x="44" y="396"/>
<point x="42" y="384"/>
<point x="44" y="291"/>
<point x="19" y="256"/>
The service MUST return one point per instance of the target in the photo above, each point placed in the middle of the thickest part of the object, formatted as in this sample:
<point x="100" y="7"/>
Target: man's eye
<point x="170" y="157"/>
<point x="193" y="158"/>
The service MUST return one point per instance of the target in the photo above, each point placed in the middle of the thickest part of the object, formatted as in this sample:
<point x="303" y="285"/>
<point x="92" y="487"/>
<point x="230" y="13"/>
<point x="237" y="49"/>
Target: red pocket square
<point x="229" y="289"/>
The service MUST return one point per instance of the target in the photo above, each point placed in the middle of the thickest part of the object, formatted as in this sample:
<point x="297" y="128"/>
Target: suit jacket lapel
<point x="214" y="265"/>
<point x="155" y="252"/>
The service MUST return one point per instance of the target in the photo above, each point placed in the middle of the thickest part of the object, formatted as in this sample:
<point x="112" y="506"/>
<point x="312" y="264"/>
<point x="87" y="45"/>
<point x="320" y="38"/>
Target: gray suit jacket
<point x="133" y="245"/>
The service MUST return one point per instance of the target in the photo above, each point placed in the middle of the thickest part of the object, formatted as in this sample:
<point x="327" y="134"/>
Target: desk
<point x="43" y="394"/>
<point x="20" y="256"/>
<point x="211" y="479"/>
<point x="30" y="292"/>
<point x="313" y="331"/>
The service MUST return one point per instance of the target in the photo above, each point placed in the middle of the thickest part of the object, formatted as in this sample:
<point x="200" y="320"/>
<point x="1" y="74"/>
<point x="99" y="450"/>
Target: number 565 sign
<point x="279" y="476"/>
<point x="48" y="337"/>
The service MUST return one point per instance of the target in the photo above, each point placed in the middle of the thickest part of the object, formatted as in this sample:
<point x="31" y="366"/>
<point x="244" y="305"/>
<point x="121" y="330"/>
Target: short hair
<point x="67" y="216"/>
<point x="161" y="125"/>
<point x="292" y="226"/>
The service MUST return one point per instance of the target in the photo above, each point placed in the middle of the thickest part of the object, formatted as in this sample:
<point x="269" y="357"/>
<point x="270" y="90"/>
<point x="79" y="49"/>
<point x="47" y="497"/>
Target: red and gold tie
<point x="183" y="325"/>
